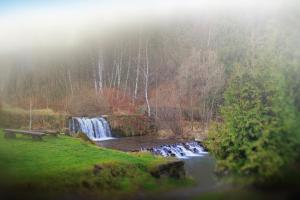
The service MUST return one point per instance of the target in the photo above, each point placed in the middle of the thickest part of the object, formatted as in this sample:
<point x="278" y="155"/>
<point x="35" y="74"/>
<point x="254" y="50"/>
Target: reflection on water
<point x="202" y="171"/>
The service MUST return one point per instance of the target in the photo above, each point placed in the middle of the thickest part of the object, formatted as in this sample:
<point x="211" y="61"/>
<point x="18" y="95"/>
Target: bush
<point x="170" y="119"/>
<point x="258" y="136"/>
<point x="87" y="103"/>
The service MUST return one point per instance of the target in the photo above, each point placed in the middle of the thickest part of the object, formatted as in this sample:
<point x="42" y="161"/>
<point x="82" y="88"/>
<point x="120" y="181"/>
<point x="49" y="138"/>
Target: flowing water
<point x="97" y="128"/>
<point x="180" y="150"/>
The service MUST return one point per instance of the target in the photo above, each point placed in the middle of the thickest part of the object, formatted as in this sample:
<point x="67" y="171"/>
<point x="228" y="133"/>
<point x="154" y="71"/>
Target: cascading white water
<point x="180" y="150"/>
<point x="96" y="129"/>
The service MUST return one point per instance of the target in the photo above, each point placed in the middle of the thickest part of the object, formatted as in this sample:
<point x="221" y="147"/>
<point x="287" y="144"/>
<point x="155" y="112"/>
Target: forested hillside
<point x="183" y="63"/>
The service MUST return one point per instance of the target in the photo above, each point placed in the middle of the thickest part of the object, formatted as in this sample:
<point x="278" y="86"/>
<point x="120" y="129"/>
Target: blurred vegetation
<point x="15" y="117"/>
<point x="259" y="135"/>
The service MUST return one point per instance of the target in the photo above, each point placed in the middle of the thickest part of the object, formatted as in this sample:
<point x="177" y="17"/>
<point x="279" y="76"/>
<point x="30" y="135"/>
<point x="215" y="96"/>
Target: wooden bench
<point x="11" y="133"/>
<point x="48" y="132"/>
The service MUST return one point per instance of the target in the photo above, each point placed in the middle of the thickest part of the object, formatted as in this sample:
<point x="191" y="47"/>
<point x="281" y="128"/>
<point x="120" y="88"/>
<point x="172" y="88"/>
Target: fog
<point x="64" y="25"/>
<point x="44" y="43"/>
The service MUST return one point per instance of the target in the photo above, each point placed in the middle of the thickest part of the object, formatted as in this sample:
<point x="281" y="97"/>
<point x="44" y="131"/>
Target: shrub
<point x="87" y="103"/>
<point x="169" y="118"/>
<point x="258" y="136"/>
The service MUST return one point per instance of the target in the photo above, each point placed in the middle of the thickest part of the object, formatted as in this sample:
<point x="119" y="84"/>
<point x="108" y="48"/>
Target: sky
<point x="9" y="5"/>
<point x="28" y="23"/>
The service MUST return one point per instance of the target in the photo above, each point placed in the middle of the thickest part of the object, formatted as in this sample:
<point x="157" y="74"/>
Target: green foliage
<point x="258" y="136"/>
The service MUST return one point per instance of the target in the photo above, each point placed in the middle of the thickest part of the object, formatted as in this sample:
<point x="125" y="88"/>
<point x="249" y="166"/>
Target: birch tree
<point x="146" y="74"/>
<point x="100" y="72"/>
<point x="137" y="70"/>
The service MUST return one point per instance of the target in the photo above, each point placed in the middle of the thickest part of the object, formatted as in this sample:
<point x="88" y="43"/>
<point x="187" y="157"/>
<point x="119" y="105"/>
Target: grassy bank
<point x="67" y="164"/>
<point x="14" y="117"/>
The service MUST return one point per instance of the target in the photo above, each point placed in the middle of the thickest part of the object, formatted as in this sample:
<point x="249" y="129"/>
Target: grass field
<point x="67" y="164"/>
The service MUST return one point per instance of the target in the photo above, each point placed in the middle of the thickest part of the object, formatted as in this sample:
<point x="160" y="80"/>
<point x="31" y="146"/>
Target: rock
<point x="174" y="169"/>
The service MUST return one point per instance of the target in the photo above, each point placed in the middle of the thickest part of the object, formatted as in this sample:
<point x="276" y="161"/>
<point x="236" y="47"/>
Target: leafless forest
<point x="173" y="68"/>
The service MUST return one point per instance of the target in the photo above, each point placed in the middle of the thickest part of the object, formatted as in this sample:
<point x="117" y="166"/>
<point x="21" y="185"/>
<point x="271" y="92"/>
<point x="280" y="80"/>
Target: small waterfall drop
<point x="180" y="150"/>
<point x="96" y="128"/>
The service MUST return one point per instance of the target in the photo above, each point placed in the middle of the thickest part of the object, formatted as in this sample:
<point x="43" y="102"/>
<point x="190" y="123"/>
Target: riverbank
<point x="71" y="166"/>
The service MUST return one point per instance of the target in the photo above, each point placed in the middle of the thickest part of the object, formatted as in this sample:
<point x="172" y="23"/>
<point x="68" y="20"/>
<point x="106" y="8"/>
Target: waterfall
<point x="96" y="129"/>
<point x="179" y="150"/>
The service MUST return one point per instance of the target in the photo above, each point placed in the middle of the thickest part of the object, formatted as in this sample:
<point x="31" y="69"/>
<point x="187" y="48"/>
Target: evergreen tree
<point x="258" y="135"/>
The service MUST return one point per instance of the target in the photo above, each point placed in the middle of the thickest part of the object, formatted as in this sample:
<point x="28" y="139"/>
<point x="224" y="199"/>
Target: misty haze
<point x="149" y="99"/>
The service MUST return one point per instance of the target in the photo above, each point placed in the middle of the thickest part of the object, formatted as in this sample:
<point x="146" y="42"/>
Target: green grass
<point x="66" y="163"/>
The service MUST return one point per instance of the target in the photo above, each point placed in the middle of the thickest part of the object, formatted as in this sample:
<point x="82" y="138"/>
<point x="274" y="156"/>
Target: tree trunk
<point x="127" y="74"/>
<point x="95" y="82"/>
<point x="137" y="71"/>
<point x="70" y="82"/>
<point x="100" y="73"/>
<point x="30" y="114"/>
<point x="146" y="81"/>
<point x="192" y="112"/>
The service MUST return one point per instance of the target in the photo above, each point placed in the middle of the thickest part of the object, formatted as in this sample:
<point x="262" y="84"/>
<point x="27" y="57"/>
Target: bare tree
<point x="100" y="72"/>
<point x="137" y="70"/>
<point x="70" y="82"/>
<point x="146" y="74"/>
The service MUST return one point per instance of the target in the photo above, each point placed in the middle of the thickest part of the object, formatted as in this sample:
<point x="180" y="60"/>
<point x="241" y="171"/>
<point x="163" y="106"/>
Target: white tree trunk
<point x="156" y="94"/>
<point x="146" y="80"/>
<point x="100" y="73"/>
<point x="137" y="71"/>
<point x="127" y="75"/>
<point x="95" y="85"/>
<point x="70" y="81"/>
<point x="120" y="69"/>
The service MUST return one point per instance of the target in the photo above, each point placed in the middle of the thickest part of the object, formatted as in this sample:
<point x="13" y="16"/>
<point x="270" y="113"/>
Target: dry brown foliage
<point x="88" y="103"/>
